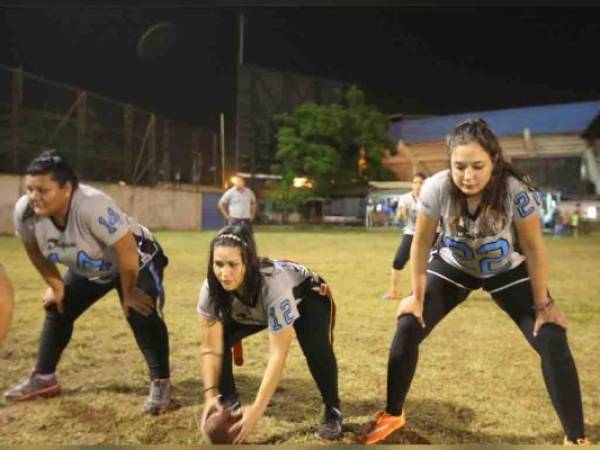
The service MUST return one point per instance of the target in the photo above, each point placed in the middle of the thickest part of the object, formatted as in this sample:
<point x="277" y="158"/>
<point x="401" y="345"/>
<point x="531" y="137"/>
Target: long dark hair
<point x="51" y="162"/>
<point x="493" y="206"/>
<point x="237" y="237"/>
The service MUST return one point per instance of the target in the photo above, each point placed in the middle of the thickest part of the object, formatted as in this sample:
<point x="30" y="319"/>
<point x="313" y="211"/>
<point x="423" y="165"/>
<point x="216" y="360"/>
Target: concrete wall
<point x="163" y="207"/>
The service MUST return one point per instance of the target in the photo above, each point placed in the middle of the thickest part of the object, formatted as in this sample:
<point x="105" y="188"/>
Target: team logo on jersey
<point x="113" y="219"/>
<point x="85" y="262"/>
<point x="54" y="243"/>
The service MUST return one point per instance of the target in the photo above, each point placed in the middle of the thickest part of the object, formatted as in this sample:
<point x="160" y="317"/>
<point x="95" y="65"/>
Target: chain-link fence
<point x="104" y="140"/>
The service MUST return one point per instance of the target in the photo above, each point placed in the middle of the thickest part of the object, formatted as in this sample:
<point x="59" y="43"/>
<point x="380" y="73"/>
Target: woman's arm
<point x="279" y="344"/>
<point x="401" y="214"/>
<point x="7" y="303"/>
<point x="532" y="245"/>
<point x="49" y="273"/>
<point x="419" y="255"/>
<point x="127" y="255"/>
<point x="212" y="356"/>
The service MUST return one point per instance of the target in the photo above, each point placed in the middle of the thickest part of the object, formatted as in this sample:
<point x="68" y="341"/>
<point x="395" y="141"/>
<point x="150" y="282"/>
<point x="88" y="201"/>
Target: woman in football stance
<point x="62" y="221"/>
<point x="491" y="239"/>
<point x="244" y="294"/>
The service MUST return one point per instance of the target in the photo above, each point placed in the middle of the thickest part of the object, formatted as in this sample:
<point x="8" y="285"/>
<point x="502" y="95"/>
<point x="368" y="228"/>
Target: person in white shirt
<point x="238" y="204"/>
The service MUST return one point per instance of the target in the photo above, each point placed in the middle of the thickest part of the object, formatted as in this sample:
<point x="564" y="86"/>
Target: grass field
<point x="477" y="382"/>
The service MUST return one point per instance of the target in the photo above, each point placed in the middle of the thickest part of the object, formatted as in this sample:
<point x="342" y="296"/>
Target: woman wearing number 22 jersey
<point x="491" y="239"/>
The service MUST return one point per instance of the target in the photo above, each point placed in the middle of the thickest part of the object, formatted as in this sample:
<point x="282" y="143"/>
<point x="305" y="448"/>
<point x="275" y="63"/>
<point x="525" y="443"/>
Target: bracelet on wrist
<point x="210" y="388"/>
<point x="549" y="304"/>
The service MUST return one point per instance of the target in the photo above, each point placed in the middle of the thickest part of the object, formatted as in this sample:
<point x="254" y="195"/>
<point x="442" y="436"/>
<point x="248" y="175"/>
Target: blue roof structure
<point x="554" y="119"/>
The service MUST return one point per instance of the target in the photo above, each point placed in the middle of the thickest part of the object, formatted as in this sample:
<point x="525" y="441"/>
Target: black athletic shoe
<point x="331" y="428"/>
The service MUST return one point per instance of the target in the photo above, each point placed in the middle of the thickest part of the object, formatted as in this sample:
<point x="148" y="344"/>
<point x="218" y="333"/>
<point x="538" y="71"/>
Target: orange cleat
<point x="385" y="424"/>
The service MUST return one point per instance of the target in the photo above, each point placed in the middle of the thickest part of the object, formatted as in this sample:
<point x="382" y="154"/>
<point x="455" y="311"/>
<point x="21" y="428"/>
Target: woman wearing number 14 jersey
<point x="82" y="228"/>
<point x="491" y="239"/>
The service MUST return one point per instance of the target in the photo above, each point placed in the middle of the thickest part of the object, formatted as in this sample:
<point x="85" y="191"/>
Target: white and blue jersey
<point x="277" y="306"/>
<point x="468" y="249"/>
<point x="409" y="202"/>
<point x="94" y="224"/>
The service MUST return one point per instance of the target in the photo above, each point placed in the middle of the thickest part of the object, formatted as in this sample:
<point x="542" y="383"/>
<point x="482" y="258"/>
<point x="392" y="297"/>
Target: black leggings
<point x="246" y="223"/>
<point x="314" y="330"/>
<point x="403" y="253"/>
<point x="558" y="366"/>
<point x="80" y="293"/>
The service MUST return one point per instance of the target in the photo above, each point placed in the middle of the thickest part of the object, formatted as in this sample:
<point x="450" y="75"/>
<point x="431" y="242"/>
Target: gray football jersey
<point x="277" y="307"/>
<point x="468" y="250"/>
<point x="408" y="201"/>
<point x="94" y="224"/>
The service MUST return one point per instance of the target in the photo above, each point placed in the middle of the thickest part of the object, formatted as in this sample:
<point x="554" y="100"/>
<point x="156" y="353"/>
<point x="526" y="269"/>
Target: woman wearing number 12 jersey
<point x="244" y="294"/>
<point x="491" y="239"/>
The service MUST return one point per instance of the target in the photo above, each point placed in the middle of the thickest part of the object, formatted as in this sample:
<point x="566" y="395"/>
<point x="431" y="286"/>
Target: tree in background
<point x="286" y="197"/>
<point x="325" y="142"/>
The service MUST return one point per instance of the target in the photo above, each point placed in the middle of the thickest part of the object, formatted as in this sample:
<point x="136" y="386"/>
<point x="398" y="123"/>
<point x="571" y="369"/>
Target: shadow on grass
<point x="429" y="421"/>
<point x="298" y="402"/>
<point x="448" y="422"/>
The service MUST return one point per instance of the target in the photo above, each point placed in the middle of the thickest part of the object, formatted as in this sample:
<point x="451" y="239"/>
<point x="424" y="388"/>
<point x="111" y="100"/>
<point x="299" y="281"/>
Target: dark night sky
<point x="431" y="60"/>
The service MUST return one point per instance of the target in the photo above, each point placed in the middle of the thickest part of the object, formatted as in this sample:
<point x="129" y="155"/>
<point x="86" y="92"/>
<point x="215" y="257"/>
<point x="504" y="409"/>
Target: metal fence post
<point x="153" y="176"/>
<point x="165" y="166"/>
<point x="81" y="113"/>
<point x="127" y="141"/>
<point x="16" y="113"/>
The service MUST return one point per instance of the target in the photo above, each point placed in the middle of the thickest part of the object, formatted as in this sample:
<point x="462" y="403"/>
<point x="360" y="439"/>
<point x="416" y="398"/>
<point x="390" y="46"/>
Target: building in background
<point x="558" y="145"/>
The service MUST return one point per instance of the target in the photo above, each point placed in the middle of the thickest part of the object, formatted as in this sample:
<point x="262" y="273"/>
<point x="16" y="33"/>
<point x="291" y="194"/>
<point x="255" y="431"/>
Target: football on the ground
<point x="216" y="427"/>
